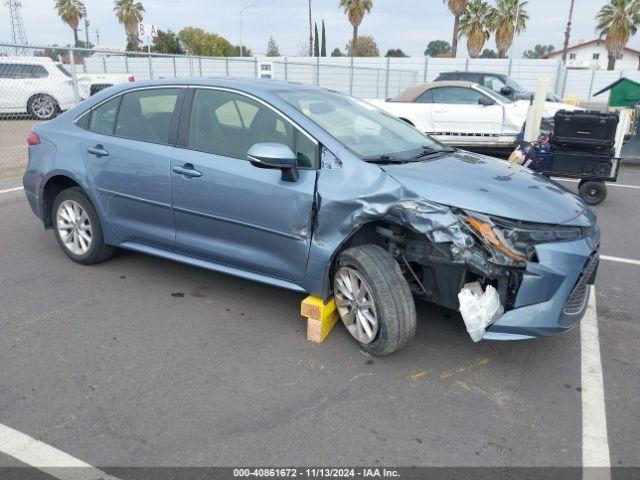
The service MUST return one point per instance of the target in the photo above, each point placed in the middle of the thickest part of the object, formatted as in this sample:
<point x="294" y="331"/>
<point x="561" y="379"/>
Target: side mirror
<point x="276" y="156"/>
<point x="485" y="101"/>
<point x="506" y="91"/>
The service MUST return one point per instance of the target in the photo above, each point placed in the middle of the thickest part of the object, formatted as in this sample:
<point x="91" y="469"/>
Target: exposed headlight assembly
<point x="511" y="243"/>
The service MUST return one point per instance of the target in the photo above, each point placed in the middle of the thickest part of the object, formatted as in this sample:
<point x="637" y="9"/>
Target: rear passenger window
<point x="103" y="118"/>
<point x="34" y="71"/>
<point x="146" y="114"/>
<point x="426" y="97"/>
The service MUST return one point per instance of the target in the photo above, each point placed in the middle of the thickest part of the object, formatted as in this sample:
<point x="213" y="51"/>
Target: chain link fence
<point x="36" y="83"/>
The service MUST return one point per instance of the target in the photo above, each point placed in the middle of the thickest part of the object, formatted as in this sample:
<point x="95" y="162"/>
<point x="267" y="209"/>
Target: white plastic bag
<point x="479" y="309"/>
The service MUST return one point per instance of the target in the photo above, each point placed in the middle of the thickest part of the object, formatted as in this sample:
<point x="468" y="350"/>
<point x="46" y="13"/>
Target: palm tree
<point x="356" y="10"/>
<point x="129" y="13"/>
<point x="456" y="7"/>
<point x="474" y="24"/>
<point x="617" y="22"/>
<point x="71" y="12"/>
<point x="508" y="18"/>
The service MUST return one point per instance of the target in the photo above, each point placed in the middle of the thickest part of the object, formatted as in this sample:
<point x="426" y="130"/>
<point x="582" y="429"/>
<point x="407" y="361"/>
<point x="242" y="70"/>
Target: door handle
<point x="98" y="151"/>
<point x="187" y="170"/>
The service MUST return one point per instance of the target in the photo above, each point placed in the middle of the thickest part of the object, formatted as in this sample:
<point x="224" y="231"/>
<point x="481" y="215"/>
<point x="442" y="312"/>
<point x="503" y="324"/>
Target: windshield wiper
<point x="427" y="151"/>
<point x="382" y="159"/>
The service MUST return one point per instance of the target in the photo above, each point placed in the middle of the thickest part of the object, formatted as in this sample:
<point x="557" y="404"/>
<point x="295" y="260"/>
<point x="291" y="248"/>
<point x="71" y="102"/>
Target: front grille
<point x="577" y="299"/>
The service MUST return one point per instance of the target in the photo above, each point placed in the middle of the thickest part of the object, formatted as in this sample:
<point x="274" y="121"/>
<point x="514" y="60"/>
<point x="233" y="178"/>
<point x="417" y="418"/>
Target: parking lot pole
<point x="386" y="82"/>
<point x="104" y="65"/>
<point x="226" y="66"/>
<point x="126" y="63"/>
<point x="426" y="68"/>
<point x="175" y="72"/>
<point x="377" y="83"/>
<point x="74" y="78"/>
<point x="593" y="77"/>
<point x="318" y="71"/>
<point x="200" y="66"/>
<point x="351" y="76"/>
<point x="150" y="66"/>
<point x="286" y="69"/>
<point x="510" y="65"/>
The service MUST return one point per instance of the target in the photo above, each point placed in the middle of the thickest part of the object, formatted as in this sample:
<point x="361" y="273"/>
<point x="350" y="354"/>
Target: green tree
<point x="617" y="21"/>
<point x="323" y="48"/>
<point x="474" y="24"/>
<point x="167" y="42"/>
<point x="365" y="47"/>
<point x="488" y="53"/>
<point x="316" y="41"/>
<point x="396" y="53"/>
<point x="503" y="23"/>
<point x="539" y="51"/>
<point x="337" y="53"/>
<point x="272" y="48"/>
<point x="438" y="48"/>
<point x="71" y="12"/>
<point x="246" y="50"/>
<point x="129" y="14"/>
<point x="199" y="42"/>
<point x="456" y="7"/>
<point x="356" y="10"/>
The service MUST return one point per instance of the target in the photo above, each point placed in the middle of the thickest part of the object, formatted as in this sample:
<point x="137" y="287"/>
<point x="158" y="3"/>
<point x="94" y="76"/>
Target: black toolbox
<point x="592" y="129"/>
<point x="574" y="161"/>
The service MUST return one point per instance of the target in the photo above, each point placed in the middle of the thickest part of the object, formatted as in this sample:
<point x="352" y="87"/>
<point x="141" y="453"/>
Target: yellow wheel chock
<point x="321" y="318"/>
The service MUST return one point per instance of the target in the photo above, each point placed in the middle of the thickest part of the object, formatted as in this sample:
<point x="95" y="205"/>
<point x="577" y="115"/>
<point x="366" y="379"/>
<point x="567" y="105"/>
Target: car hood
<point x="491" y="186"/>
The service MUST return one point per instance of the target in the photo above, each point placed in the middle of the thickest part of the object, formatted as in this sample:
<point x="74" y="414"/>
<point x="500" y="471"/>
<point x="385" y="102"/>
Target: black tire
<point x="97" y="251"/>
<point x="593" y="192"/>
<point x="43" y="107"/>
<point x="394" y="304"/>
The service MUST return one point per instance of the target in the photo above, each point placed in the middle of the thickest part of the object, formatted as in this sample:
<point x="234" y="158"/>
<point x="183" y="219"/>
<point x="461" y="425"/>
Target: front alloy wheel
<point x="355" y="304"/>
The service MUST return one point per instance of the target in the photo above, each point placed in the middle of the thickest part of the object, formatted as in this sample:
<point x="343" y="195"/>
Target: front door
<point x="127" y="154"/>
<point x="229" y="211"/>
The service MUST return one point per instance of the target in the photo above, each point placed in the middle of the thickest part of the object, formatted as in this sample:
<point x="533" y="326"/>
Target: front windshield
<point x="497" y="96"/>
<point x="365" y="130"/>
<point x="63" y="70"/>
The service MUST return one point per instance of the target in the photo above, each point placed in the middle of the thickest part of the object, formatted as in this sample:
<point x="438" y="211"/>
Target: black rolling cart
<point x="583" y="149"/>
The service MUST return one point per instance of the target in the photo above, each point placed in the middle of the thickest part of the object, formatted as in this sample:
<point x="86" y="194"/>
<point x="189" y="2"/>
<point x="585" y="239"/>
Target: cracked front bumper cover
<point x="547" y="302"/>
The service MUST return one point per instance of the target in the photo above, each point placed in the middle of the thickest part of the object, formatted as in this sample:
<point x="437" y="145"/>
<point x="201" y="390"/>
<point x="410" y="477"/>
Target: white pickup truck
<point x="43" y="88"/>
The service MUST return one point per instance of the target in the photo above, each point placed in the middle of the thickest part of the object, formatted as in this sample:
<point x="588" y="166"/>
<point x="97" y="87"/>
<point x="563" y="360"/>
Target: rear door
<point x="127" y="153"/>
<point x="229" y="211"/>
<point x="459" y="119"/>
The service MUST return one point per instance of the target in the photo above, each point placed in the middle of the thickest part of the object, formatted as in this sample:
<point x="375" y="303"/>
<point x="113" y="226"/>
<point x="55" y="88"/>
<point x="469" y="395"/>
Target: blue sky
<point x="406" y="24"/>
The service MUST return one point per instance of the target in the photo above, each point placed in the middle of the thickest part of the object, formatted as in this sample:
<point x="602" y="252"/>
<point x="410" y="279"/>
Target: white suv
<point x="34" y="85"/>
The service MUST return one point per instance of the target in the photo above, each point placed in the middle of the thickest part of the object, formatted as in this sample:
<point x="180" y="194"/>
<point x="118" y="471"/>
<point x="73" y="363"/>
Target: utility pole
<point x="241" y="12"/>
<point x="567" y="34"/>
<point x="310" y="32"/>
<point x="97" y="37"/>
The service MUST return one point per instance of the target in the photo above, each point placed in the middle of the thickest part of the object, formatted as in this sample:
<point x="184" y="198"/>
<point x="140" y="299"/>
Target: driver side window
<point x="456" y="96"/>
<point x="229" y="124"/>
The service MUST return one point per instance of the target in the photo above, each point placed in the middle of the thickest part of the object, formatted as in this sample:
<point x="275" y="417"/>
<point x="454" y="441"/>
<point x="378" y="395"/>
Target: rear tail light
<point x="132" y="78"/>
<point x="33" y="139"/>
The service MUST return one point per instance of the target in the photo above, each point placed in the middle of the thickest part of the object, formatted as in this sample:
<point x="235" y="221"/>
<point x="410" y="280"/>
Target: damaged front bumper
<point x="554" y="291"/>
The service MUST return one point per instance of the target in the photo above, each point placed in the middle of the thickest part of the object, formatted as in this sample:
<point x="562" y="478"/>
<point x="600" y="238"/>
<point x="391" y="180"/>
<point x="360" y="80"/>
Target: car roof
<point x="26" y="60"/>
<point x="248" y="84"/>
<point x="412" y="93"/>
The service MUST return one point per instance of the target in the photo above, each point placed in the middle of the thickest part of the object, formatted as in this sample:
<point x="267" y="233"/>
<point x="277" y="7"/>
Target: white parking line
<point x="610" y="184"/>
<point x="15" y="189"/>
<point x="46" y="458"/>
<point x="630" y="261"/>
<point x="595" y="442"/>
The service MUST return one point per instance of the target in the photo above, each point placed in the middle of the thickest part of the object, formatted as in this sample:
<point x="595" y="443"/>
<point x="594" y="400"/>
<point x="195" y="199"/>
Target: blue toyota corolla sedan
<point x="315" y="191"/>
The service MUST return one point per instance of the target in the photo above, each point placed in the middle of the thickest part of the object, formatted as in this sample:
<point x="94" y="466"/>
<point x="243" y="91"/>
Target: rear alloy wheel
<point x="77" y="228"/>
<point x="43" y="107"/>
<point x="373" y="299"/>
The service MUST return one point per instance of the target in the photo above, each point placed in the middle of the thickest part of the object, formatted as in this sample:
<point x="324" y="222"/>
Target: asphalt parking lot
<point x="144" y="362"/>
